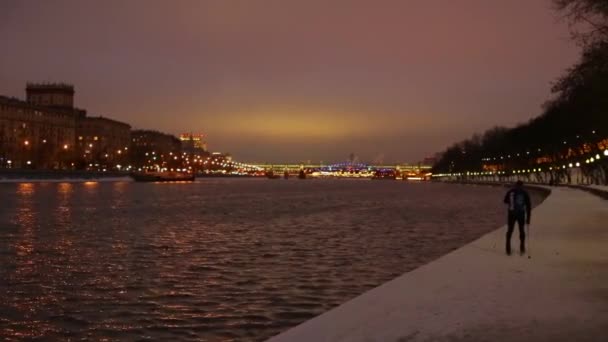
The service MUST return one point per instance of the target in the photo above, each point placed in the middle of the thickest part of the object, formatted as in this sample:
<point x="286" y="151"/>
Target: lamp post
<point x="25" y="156"/>
<point x="64" y="156"/>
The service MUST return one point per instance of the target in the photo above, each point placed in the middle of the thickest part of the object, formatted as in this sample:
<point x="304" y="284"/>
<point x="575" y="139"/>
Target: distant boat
<point x="385" y="174"/>
<point x="164" y="176"/>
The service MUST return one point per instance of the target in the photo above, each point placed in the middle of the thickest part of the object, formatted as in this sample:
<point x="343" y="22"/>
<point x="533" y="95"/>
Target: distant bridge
<point x="344" y="166"/>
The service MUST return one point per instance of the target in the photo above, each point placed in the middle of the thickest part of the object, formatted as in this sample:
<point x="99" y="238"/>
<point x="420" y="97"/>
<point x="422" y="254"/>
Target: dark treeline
<point x="573" y="125"/>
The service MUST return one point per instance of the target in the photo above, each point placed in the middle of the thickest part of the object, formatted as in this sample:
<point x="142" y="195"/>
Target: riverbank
<point x="27" y="175"/>
<point x="598" y="190"/>
<point x="477" y="293"/>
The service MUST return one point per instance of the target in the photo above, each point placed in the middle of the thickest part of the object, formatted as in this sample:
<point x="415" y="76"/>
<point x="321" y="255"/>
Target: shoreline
<point x="476" y="293"/>
<point x="597" y="190"/>
<point x="15" y="176"/>
<point x="64" y="180"/>
<point x="543" y="189"/>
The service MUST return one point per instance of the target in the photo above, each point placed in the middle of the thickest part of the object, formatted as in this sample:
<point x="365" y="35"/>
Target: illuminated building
<point x="419" y="171"/>
<point x="153" y="149"/>
<point x="39" y="132"/>
<point x="193" y="144"/>
<point x="102" y="143"/>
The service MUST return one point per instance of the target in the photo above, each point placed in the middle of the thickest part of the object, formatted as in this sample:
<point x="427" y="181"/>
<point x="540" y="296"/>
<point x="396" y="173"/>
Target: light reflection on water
<point x="217" y="260"/>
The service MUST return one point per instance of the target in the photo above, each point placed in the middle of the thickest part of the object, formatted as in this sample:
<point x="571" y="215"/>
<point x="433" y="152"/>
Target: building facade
<point x="50" y="95"/>
<point x="193" y="144"/>
<point x="102" y="144"/>
<point x="32" y="136"/>
<point x="47" y="132"/>
<point x="155" y="150"/>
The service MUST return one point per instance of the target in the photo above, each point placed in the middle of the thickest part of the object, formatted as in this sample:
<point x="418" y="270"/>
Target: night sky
<point x="391" y="81"/>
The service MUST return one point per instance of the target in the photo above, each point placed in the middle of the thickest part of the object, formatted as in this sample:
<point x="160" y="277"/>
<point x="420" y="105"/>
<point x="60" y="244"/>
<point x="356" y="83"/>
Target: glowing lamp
<point x="606" y="153"/>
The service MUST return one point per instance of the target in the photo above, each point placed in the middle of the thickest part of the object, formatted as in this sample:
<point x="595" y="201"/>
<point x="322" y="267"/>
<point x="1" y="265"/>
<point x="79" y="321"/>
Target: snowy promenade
<point x="477" y="293"/>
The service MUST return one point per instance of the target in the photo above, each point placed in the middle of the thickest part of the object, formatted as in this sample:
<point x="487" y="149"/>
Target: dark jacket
<point x="519" y="202"/>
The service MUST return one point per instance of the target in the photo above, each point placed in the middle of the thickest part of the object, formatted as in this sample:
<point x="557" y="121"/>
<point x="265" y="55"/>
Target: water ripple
<point x="218" y="260"/>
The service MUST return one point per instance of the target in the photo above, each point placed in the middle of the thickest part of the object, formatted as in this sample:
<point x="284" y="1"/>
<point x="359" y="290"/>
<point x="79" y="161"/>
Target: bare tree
<point x="588" y="19"/>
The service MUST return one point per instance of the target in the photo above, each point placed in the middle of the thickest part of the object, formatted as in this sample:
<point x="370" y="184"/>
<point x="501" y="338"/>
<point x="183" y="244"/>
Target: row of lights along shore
<point x="551" y="168"/>
<point x="527" y="153"/>
<point x="27" y="143"/>
<point x="198" y="159"/>
<point x="153" y="155"/>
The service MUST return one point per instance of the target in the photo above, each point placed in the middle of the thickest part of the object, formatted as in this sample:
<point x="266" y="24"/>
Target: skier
<point x="520" y="210"/>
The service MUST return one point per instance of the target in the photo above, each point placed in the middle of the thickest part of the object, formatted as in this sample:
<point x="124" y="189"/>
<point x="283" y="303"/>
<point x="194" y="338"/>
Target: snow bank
<point x="477" y="293"/>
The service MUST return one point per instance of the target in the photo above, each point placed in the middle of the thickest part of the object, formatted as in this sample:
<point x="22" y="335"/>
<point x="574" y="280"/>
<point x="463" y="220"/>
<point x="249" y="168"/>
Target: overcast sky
<point x="294" y="80"/>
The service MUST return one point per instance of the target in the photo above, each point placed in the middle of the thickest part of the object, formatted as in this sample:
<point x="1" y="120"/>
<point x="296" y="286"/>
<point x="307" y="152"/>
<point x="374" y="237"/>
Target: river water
<point x="219" y="259"/>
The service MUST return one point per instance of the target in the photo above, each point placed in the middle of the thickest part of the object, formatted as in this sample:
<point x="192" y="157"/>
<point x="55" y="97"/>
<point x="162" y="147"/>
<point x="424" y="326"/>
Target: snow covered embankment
<point x="477" y="293"/>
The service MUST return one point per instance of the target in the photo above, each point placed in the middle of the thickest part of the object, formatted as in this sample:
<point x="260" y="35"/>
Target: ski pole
<point x="529" y="244"/>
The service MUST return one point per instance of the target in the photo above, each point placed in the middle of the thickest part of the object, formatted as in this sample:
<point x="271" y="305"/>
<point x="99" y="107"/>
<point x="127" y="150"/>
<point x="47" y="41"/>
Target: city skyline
<point x="314" y="81"/>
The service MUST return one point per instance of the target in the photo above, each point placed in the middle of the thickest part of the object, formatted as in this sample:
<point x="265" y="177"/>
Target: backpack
<point x="517" y="201"/>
